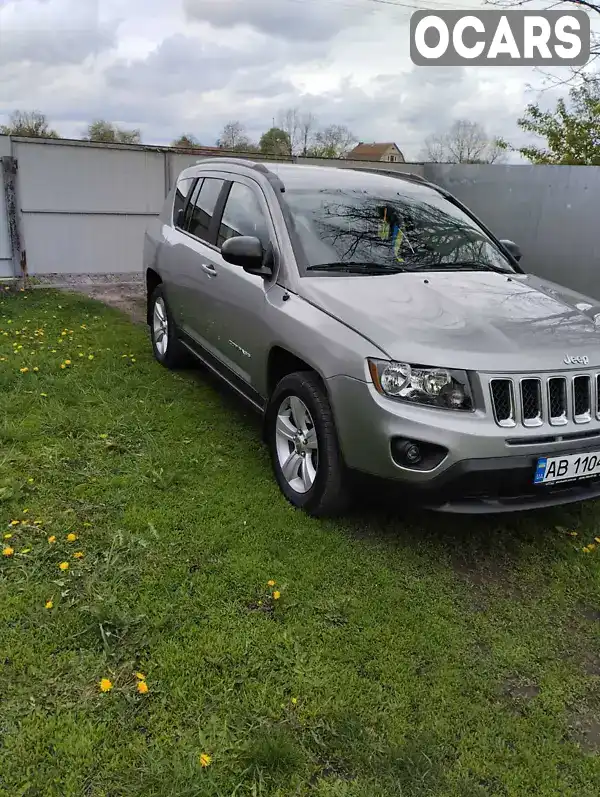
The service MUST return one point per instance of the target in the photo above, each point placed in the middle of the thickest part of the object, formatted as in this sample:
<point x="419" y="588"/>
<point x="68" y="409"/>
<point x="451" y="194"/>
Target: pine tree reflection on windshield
<point x="358" y="232"/>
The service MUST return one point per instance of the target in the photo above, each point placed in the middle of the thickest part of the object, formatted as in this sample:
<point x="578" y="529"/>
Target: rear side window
<point x="181" y="192"/>
<point x="203" y="207"/>
<point x="243" y="215"/>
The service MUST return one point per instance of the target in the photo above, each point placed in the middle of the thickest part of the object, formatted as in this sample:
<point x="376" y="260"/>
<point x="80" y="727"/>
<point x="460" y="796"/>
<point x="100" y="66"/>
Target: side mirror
<point x="245" y="251"/>
<point x="512" y="248"/>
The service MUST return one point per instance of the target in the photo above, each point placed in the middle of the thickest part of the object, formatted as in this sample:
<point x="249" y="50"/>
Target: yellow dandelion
<point x="71" y="537"/>
<point x="105" y="685"/>
<point x="205" y="760"/>
<point x="142" y="687"/>
<point x="572" y="534"/>
<point x="64" y="565"/>
<point x="133" y="360"/>
<point x="102" y="436"/>
<point x="271" y="583"/>
<point x="8" y="551"/>
<point x="36" y="369"/>
<point x="67" y="362"/>
<point x="140" y="676"/>
<point x="52" y="538"/>
<point x="63" y="366"/>
<point x="585" y="549"/>
<point x="81" y="354"/>
<point x="14" y="523"/>
<point x="597" y="539"/>
<point x="276" y="595"/>
<point x="90" y="356"/>
<point x="48" y="605"/>
<point x="294" y="701"/>
<point x="30" y="480"/>
<point x="23" y="370"/>
<point x="25" y="511"/>
<point x="78" y="555"/>
<point x="7" y="536"/>
<point x="591" y="546"/>
<point x="64" y="333"/>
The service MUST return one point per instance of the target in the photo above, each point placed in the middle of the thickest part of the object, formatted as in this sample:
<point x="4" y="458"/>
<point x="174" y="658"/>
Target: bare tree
<point x="306" y="131"/>
<point x="288" y="120"/>
<point x="593" y="9"/>
<point x="31" y="124"/>
<point x="235" y="138"/>
<point x="464" y="142"/>
<point x="109" y="133"/>
<point x="334" y="141"/>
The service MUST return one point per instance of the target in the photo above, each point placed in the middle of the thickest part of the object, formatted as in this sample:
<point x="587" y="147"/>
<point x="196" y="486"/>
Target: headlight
<point x="438" y="387"/>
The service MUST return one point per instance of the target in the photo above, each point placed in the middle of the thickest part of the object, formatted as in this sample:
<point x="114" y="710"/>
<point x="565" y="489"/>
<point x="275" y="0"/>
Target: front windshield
<point x="357" y="231"/>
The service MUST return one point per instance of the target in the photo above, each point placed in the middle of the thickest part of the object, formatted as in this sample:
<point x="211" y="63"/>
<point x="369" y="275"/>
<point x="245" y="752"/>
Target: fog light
<point x="409" y="453"/>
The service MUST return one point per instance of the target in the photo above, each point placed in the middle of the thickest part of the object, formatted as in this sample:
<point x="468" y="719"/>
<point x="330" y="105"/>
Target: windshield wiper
<point x="466" y="265"/>
<point x="355" y="268"/>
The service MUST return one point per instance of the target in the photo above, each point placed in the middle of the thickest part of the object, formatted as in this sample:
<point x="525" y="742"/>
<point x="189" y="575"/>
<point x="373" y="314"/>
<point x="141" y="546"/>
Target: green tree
<point x="31" y="124"/>
<point x="571" y="131"/>
<point x="275" y="142"/>
<point x="187" y="141"/>
<point x="109" y="133"/>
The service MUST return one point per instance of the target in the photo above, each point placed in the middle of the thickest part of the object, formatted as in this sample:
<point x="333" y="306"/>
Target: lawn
<point x="396" y="653"/>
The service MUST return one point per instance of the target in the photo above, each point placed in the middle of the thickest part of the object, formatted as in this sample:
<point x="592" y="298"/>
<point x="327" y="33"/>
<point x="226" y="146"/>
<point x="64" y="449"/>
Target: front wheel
<point x="304" y="448"/>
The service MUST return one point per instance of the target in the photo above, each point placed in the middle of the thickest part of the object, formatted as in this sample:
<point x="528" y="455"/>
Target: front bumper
<point x="484" y="471"/>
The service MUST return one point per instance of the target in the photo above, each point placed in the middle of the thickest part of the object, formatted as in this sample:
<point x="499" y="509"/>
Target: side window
<point x="181" y="192"/>
<point x="203" y="207"/>
<point x="243" y="215"/>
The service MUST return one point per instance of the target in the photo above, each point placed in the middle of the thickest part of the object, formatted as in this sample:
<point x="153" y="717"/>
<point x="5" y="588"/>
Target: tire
<point x="308" y="466"/>
<point x="167" y="348"/>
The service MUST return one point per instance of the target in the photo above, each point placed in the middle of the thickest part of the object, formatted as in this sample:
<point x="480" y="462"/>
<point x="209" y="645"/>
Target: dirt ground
<point x="126" y="292"/>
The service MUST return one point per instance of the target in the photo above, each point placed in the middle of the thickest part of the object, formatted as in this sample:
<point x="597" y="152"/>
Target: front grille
<point x="555" y="400"/>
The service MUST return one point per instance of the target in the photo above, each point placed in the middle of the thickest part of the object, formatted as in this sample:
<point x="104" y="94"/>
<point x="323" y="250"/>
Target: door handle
<point x="208" y="269"/>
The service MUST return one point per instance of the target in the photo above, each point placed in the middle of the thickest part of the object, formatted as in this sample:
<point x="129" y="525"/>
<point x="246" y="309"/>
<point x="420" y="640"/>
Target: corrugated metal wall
<point x="552" y="212"/>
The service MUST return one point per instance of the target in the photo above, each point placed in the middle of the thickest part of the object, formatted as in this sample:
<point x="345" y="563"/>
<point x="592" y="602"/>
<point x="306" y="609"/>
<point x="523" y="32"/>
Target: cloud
<point x="294" y="20"/>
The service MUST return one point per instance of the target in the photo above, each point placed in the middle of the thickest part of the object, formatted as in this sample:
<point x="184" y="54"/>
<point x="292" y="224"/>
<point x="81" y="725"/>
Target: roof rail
<point x="416" y="178"/>
<point x="255" y="165"/>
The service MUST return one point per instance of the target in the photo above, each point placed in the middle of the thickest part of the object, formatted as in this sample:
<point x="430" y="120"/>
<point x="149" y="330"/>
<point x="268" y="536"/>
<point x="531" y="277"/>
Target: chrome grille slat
<point x="554" y="399"/>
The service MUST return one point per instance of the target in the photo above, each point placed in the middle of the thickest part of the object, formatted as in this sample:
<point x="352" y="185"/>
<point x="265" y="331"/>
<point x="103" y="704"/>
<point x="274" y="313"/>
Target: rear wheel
<point x="167" y="348"/>
<point x="304" y="448"/>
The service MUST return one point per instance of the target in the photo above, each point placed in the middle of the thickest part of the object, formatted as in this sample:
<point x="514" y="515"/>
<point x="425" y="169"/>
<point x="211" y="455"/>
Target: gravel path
<point x="126" y="292"/>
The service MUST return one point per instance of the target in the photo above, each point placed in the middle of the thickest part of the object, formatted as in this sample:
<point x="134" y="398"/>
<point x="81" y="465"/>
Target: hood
<point x="482" y="321"/>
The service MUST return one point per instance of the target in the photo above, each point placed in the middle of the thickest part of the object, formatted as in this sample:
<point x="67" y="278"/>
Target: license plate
<point x="573" y="466"/>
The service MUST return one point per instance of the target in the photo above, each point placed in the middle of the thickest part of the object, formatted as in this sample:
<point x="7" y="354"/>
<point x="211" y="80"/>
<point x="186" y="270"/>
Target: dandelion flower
<point x="90" y="356"/>
<point x="572" y="534"/>
<point x="205" y="760"/>
<point x="276" y="595"/>
<point x="105" y="685"/>
<point x="7" y="536"/>
<point x="52" y="539"/>
<point x="81" y="354"/>
<point x="64" y="565"/>
<point x="102" y="436"/>
<point x="30" y="480"/>
<point x="25" y="511"/>
<point x="140" y="676"/>
<point x="23" y="370"/>
<point x="48" y="605"/>
<point x="71" y="537"/>
<point x="294" y="701"/>
<point x="585" y="549"/>
<point x="597" y="539"/>
<point x="271" y="583"/>
<point x="14" y="522"/>
<point x="78" y="555"/>
<point x="36" y="369"/>
<point x="62" y="365"/>
<point x="8" y="551"/>
<point x="142" y="687"/>
<point x="591" y="546"/>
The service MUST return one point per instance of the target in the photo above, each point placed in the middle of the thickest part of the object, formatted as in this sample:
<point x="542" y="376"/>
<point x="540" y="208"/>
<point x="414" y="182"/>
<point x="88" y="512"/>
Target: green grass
<point x="409" y="654"/>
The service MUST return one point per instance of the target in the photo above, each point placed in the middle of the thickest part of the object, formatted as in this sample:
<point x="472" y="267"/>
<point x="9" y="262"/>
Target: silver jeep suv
<point x="379" y="327"/>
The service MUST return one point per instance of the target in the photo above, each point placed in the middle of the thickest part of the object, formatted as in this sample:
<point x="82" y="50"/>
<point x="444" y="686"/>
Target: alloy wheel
<point x="160" y="326"/>
<point x="296" y="444"/>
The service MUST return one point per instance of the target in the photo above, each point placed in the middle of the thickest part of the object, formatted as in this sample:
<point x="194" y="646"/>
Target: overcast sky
<point x="174" y="66"/>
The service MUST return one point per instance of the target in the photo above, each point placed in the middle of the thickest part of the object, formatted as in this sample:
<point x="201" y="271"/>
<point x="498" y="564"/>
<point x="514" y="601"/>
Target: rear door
<point x="193" y="256"/>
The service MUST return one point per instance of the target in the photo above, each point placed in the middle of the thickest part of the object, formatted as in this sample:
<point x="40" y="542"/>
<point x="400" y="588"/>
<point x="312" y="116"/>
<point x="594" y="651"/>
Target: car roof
<point x="302" y="177"/>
